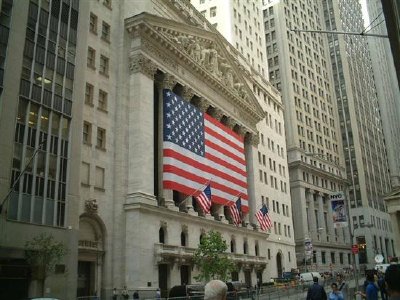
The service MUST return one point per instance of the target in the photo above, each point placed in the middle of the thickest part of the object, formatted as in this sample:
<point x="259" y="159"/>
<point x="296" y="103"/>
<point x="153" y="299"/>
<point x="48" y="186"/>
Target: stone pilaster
<point x="311" y="214"/>
<point x="141" y="143"/>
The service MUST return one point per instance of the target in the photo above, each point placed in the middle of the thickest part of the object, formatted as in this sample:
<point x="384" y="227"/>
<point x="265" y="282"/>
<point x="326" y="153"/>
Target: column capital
<point x="168" y="81"/>
<point x="138" y="63"/>
<point x="187" y="93"/>
<point x="251" y="138"/>
<point x="202" y="104"/>
<point x="216" y="113"/>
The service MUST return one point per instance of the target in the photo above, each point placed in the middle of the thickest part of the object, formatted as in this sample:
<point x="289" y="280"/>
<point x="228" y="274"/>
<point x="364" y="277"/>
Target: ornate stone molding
<point x="163" y="224"/>
<point x="138" y="63"/>
<point x="91" y="206"/>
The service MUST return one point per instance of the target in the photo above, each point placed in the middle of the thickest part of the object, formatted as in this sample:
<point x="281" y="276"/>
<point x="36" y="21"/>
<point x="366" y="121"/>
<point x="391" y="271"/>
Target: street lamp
<point x="308" y="246"/>
<point x="353" y="254"/>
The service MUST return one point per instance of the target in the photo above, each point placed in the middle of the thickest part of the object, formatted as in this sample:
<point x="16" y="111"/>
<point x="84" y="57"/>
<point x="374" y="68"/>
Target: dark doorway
<point x="14" y="279"/>
<point x="163" y="280"/>
<point x="247" y="277"/>
<point x="259" y="278"/>
<point x="85" y="278"/>
<point x="235" y="276"/>
<point x="279" y="264"/>
<point x="185" y="275"/>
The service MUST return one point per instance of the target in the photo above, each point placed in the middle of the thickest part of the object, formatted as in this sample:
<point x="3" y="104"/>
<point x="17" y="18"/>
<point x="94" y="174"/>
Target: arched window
<point x="233" y="246"/>
<point x="245" y="248"/>
<point x="161" y="235"/>
<point x="201" y="238"/>
<point x="183" y="239"/>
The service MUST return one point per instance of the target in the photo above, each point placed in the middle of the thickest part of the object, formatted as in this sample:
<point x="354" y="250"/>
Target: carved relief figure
<point x="227" y="73"/>
<point x="194" y="50"/>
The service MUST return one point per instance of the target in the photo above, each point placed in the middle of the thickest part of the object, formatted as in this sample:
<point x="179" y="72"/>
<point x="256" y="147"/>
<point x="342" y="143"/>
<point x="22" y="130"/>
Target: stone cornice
<point x="179" y="52"/>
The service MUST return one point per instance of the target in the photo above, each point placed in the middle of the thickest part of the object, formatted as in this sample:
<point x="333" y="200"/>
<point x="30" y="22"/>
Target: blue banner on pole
<point x="339" y="211"/>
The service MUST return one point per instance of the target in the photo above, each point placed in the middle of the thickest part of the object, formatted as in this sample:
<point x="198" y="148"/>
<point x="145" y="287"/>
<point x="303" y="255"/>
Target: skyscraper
<point x="361" y="119"/>
<point x="299" y="66"/>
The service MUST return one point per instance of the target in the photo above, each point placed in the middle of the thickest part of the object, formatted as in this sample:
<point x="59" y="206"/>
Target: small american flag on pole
<point x="196" y="147"/>
<point x="204" y="199"/>
<point x="236" y="211"/>
<point x="263" y="218"/>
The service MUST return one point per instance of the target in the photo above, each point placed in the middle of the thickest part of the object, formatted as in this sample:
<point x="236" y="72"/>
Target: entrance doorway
<point x="247" y="277"/>
<point x="85" y="278"/>
<point x="279" y="264"/>
<point x="163" y="280"/>
<point x="185" y="275"/>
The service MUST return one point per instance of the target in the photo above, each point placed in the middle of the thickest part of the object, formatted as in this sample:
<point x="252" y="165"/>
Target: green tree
<point x="43" y="252"/>
<point x="211" y="258"/>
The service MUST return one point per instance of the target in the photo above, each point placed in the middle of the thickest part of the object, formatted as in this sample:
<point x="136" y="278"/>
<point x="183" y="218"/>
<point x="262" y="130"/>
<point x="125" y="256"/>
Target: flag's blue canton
<point x="264" y="210"/>
<point x="207" y="191"/>
<point x="183" y="124"/>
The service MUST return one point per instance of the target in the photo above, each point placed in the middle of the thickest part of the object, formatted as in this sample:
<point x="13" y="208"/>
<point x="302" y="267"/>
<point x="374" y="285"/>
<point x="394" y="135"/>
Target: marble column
<point x="311" y="214"/>
<point x="141" y="143"/>
<point x="251" y="141"/>
<point x="167" y="81"/>
<point x="321" y="220"/>
<point x="300" y="217"/>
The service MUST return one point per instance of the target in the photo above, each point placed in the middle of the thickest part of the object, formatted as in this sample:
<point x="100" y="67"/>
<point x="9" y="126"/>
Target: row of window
<point x="102" y="99"/>
<point x="87" y="178"/>
<point x="105" y="27"/>
<point x="271" y="146"/>
<point x="273" y="181"/>
<point x="100" y="137"/>
<point x="104" y="61"/>
<point x="272" y="164"/>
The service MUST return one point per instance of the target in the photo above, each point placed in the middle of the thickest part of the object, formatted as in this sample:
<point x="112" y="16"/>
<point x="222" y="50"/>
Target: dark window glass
<point x="55" y="8"/>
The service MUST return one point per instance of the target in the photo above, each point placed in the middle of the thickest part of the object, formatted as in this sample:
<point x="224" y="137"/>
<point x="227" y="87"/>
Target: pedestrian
<point x="382" y="286"/>
<point x="125" y="293"/>
<point x="215" y="290"/>
<point x="316" y="291"/>
<point x="335" y="294"/>
<point x="371" y="289"/>
<point x="342" y="285"/>
<point x="392" y="279"/>
<point x="114" y="294"/>
<point x="158" y="294"/>
<point x="136" y="295"/>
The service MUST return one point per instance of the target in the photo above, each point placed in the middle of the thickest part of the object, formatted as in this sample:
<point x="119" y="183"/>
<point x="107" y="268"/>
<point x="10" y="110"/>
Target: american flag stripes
<point x="263" y="218"/>
<point x="204" y="199"/>
<point x="197" y="148"/>
<point x="236" y="211"/>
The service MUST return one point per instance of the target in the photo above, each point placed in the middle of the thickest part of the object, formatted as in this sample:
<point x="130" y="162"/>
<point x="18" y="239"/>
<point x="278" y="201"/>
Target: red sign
<point x="354" y="249"/>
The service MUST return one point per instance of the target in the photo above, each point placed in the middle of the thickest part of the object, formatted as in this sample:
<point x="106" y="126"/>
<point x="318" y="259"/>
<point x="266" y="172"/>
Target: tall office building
<point x="387" y="88"/>
<point x="299" y="66"/>
<point x="363" y="132"/>
<point x="241" y="23"/>
<point x="82" y="120"/>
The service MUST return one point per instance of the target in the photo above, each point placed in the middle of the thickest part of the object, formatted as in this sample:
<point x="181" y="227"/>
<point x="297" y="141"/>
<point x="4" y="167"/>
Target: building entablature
<point x="322" y="173"/>
<point x="193" y="55"/>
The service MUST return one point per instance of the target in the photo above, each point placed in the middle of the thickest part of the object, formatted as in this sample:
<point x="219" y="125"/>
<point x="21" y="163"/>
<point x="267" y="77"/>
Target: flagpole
<point x="191" y="195"/>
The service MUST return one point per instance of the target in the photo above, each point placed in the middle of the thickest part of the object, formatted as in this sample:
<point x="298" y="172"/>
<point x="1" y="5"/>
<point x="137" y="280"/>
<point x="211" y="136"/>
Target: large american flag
<point x="263" y="218"/>
<point x="198" y="150"/>
<point x="236" y="211"/>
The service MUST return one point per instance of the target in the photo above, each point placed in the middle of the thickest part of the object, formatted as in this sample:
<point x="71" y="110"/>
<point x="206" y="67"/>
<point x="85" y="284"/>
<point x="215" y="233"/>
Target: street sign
<point x="354" y="249"/>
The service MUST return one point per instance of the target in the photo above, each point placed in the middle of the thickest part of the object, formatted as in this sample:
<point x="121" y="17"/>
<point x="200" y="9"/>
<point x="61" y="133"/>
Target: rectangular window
<point x="105" y="31"/>
<point x="104" y="65"/>
<point x="213" y="11"/>
<point x="89" y="94"/>
<point x="323" y="258"/>
<point x="91" y="58"/>
<point x="85" y="173"/>
<point x="103" y="97"/>
<point x="87" y="133"/>
<point x="101" y="138"/>
<point x="99" y="177"/>
<point x="93" y="23"/>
